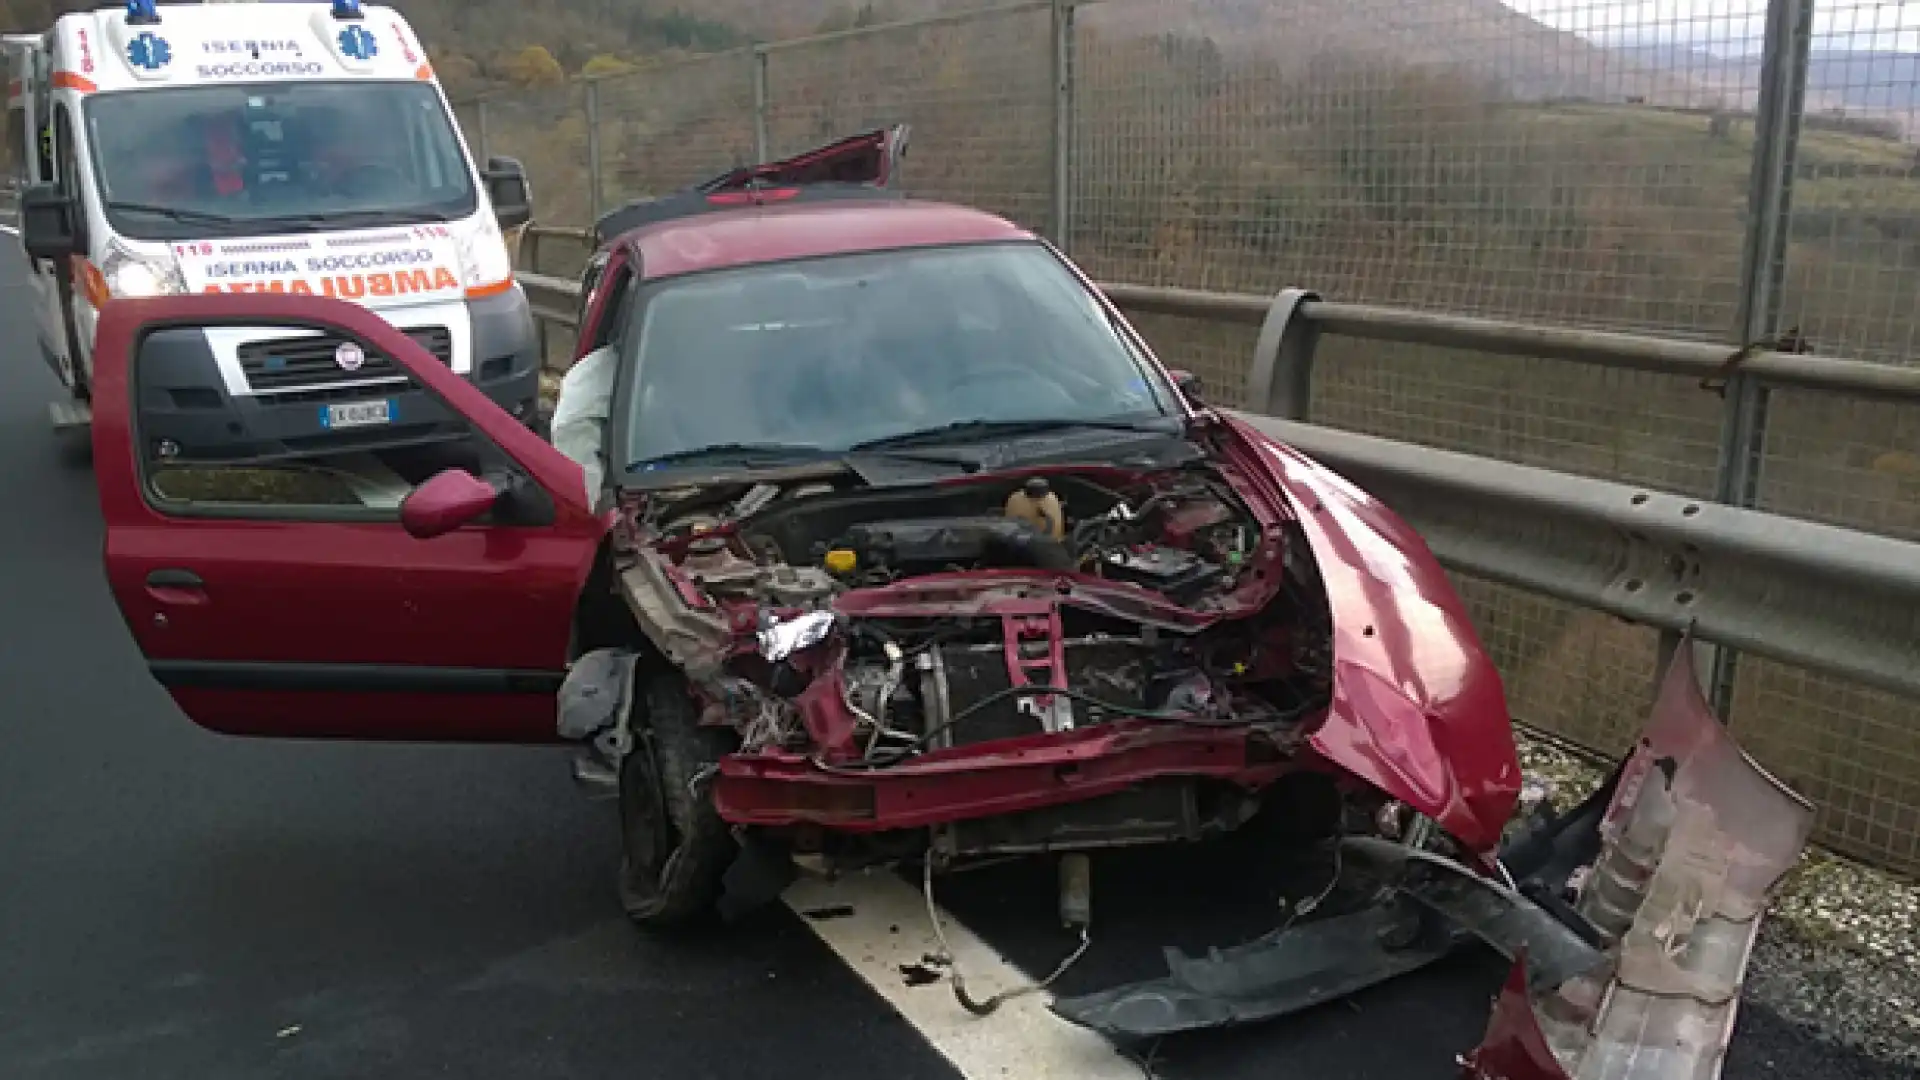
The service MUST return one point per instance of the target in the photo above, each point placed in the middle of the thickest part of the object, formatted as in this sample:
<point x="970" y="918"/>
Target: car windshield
<point x="174" y="163"/>
<point x="835" y="353"/>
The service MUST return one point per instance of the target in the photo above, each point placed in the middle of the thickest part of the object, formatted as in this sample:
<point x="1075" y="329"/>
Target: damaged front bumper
<point x="1630" y="920"/>
<point x="1009" y="776"/>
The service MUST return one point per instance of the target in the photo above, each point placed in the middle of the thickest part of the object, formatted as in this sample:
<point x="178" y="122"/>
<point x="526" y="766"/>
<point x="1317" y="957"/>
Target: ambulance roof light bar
<point x="142" y="13"/>
<point x="347" y="9"/>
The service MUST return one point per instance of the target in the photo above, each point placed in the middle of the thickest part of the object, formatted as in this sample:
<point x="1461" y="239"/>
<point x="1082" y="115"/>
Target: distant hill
<point x="1529" y="59"/>
<point x="1859" y="82"/>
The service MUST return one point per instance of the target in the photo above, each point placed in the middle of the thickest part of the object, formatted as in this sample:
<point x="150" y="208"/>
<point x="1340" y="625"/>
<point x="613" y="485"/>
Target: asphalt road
<point x="178" y="904"/>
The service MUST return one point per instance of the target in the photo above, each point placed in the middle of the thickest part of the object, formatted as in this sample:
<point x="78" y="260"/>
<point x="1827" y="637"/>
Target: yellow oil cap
<point x="841" y="561"/>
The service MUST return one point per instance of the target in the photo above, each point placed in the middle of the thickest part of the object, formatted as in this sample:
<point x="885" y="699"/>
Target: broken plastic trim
<point x="1637" y="978"/>
<point x="1694" y="839"/>
<point x="1435" y="906"/>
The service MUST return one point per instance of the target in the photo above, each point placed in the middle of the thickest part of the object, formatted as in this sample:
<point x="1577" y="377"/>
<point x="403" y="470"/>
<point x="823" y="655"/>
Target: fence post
<point x="484" y="145"/>
<point x="1060" y="215"/>
<point x="595" y="194"/>
<point x="758" y="57"/>
<point x="1776" y="138"/>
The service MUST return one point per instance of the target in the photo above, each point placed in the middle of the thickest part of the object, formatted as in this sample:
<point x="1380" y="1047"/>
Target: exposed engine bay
<point x="858" y="631"/>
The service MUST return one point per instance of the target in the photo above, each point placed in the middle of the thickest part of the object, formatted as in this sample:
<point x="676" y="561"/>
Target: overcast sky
<point x="1729" y="26"/>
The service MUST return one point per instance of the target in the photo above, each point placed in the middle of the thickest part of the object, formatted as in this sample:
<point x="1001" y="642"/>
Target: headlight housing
<point x="132" y="275"/>
<point x="485" y="263"/>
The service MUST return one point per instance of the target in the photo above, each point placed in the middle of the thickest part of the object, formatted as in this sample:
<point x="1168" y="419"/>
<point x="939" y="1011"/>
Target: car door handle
<point x="175" y="579"/>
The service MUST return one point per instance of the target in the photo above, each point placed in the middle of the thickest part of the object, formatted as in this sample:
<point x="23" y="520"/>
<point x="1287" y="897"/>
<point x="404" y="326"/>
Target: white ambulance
<point x="265" y="147"/>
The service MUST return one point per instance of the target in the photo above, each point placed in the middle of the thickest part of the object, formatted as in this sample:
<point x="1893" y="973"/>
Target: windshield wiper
<point x="174" y="213"/>
<point x="730" y="452"/>
<point x="350" y="219"/>
<point x="975" y="429"/>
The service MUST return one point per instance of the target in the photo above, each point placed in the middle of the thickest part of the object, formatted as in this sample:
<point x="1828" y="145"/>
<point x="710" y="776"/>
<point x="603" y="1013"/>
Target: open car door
<point x="344" y="590"/>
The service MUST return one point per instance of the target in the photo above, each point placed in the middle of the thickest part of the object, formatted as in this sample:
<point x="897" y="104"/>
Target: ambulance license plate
<point x="354" y="414"/>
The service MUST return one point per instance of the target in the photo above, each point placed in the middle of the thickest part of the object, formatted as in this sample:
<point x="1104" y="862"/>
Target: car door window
<point x="288" y="465"/>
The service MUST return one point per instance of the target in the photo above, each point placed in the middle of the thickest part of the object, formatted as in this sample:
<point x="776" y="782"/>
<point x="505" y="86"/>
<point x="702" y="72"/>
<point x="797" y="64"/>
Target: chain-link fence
<point x="1737" y="171"/>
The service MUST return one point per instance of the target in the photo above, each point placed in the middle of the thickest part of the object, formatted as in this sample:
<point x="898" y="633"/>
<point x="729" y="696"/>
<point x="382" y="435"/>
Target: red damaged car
<point x="870" y="532"/>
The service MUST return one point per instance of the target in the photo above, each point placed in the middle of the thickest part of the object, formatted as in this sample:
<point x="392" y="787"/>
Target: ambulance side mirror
<point x="508" y="191"/>
<point x="50" y="225"/>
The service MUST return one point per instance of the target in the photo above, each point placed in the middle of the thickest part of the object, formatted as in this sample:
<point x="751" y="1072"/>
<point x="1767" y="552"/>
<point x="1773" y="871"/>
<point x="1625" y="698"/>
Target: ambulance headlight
<point x="484" y="261"/>
<point x="132" y="276"/>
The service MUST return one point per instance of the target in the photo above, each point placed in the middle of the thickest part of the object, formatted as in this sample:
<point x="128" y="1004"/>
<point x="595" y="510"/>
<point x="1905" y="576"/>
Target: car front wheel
<point x="674" y="847"/>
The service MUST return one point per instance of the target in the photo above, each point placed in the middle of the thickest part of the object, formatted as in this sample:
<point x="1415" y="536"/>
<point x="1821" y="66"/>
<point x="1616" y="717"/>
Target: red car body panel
<point x="335" y="628"/>
<point x="777" y="233"/>
<point x="1417" y="709"/>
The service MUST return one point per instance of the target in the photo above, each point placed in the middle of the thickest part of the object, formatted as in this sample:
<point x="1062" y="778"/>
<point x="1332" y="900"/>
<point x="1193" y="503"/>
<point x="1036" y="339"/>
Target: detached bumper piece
<point x="1630" y="923"/>
<point x="1436" y="906"/>
<point x="1692" y="843"/>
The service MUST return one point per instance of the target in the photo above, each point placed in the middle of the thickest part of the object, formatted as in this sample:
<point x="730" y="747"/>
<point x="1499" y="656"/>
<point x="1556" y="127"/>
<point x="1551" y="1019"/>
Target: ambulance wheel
<point x="674" y="847"/>
<point x="82" y="386"/>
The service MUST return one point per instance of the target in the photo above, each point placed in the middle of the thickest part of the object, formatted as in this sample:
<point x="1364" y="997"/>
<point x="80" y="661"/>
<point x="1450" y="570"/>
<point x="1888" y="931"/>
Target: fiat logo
<point x="349" y="356"/>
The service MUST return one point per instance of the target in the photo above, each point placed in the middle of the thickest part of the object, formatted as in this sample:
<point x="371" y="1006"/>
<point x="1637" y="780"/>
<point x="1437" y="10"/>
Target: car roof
<point x="725" y="239"/>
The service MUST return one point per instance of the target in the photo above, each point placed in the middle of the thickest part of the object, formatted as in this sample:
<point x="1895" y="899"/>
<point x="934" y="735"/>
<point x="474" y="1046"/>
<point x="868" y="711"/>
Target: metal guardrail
<point x="1830" y="599"/>
<point x="1834" y="600"/>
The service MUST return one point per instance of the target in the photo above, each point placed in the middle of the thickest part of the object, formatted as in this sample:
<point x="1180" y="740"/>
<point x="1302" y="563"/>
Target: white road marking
<point x="886" y="929"/>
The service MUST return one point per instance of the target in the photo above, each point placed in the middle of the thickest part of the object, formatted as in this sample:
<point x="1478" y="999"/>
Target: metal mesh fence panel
<point x="1578" y="674"/>
<point x="1855" y="752"/>
<point x="1853" y="260"/>
<point x="977" y="91"/>
<point x="1453" y="155"/>
<point x="665" y="127"/>
<point x="547" y="131"/>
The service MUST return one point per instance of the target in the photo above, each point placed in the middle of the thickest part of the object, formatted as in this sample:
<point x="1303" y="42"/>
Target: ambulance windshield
<point x="186" y="162"/>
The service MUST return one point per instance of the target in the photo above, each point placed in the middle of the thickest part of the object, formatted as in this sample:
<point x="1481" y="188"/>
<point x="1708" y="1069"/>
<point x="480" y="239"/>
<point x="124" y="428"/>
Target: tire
<point x="82" y="385"/>
<point x="675" y="849"/>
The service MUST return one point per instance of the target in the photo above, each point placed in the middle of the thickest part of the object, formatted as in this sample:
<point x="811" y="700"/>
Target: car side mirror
<point x="1188" y="384"/>
<point x="508" y="191"/>
<point x="445" y="501"/>
<point x="50" y="223"/>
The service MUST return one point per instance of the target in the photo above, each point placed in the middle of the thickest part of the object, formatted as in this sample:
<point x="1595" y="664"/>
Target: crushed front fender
<point x="1693" y="841"/>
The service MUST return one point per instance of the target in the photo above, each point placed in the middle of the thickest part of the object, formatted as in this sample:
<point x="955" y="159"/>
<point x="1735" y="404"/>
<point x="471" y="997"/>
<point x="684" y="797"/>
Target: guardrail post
<point x="1776" y="137"/>
<point x="1060" y="222"/>
<point x="1280" y="379"/>
<point x="595" y="198"/>
<point x="758" y="58"/>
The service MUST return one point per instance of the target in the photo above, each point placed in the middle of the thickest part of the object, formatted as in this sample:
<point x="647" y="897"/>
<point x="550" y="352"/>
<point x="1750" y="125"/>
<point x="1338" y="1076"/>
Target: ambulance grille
<point x="307" y="362"/>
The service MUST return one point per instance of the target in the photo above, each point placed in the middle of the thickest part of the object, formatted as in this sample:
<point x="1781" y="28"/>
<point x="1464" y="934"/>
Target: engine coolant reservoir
<point x="1037" y="505"/>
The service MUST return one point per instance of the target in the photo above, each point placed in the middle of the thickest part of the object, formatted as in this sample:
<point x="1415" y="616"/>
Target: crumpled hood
<point x="379" y="268"/>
